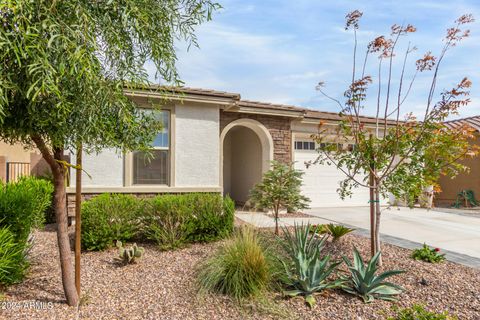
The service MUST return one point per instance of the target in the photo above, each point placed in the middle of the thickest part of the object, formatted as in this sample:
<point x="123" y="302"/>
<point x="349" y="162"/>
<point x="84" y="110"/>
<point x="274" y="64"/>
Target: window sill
<point x="146" y="189"/>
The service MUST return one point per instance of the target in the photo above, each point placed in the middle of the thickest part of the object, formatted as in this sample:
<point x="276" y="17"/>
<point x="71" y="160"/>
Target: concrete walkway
<point x="457" y="235"/>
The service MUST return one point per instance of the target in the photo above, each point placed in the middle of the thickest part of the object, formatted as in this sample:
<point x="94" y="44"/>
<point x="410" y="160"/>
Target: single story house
<point x="216" y="142"/>
<point x="464" y="181"/>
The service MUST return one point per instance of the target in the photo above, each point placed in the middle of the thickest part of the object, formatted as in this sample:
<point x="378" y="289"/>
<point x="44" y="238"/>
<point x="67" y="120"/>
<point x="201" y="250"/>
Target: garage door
<point x="320" y="183"/>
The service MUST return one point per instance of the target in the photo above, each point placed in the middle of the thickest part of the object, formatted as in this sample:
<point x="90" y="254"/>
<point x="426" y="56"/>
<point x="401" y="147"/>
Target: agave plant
<point x="364" y="283"/>
<point x="337" y="231"/>
<point x="310" y="272"/>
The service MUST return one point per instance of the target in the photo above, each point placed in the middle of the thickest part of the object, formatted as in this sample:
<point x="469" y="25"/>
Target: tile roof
<point x="473" y="122"/>
<point x="302" y="112"/>
<point x="305" y="112"/>
<point x="188" y="90"/>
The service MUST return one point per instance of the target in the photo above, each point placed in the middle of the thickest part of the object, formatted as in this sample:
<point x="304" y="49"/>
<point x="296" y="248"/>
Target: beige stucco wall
<point x="245" y="162"/>
<point x="14" y="153"/>
<point x="451" y="187"/>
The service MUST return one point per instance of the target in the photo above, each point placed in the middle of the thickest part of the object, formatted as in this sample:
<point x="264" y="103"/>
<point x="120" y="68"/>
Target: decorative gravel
<point x="162" y="286"/>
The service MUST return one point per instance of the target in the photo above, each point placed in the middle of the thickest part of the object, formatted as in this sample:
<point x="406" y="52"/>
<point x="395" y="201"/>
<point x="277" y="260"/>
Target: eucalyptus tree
<point x="64" y="68"/>
<point x="396" y="154"/>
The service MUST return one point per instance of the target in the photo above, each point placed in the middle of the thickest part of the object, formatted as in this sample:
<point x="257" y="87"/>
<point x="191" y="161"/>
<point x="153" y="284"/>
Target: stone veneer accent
<point x="279" y="128"/>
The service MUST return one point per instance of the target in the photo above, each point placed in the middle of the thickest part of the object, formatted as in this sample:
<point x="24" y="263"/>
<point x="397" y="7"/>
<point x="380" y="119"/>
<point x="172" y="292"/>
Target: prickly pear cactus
<point x="129" y="254"/>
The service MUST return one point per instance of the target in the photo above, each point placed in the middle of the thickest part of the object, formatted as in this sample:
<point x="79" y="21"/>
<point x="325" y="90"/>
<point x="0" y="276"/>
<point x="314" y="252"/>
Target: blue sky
<point x="277" y="51"/>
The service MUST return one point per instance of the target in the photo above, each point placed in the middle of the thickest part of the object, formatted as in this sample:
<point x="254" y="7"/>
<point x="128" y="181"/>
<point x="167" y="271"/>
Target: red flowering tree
<point x="398" y="154"/>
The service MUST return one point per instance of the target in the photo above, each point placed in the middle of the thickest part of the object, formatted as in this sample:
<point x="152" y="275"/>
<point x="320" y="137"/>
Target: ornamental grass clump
<point x="240" y="268"/>
<point x="428" y="254"/>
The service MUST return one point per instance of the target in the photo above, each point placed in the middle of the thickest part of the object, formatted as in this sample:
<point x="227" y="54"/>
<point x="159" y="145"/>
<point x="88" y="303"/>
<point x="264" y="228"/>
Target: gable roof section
<point x="473" y="122"/>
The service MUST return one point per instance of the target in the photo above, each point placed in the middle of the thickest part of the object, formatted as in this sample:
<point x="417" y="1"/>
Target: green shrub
<point x="310" y="272"/>
<point x="212" y="219"/>
<point x="240" y="268"/>
<point x="13" y="263"/>
<point x="364" y="283"/>
<point x="110" y="217"/>
<point x="337" y="231"/>
<point x="173" y="220"/>
<point x="418" y="312"/>
<point x="428" y="254"/>
<point x="165" y="218"/>
<point x="23" y="204"/>
<point x="50" y="210"/>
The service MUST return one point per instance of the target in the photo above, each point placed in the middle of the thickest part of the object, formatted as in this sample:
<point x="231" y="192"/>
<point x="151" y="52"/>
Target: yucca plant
<point x="364" y="283"/>
<point x="309" y="272"/>
<point x="337" y="231"/>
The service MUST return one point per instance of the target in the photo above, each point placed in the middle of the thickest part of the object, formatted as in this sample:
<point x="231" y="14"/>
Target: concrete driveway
<point x="448" y="231"/>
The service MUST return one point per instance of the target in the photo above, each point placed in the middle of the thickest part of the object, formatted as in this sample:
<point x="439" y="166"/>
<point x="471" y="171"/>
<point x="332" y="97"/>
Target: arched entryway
<point x="246" y="150"/>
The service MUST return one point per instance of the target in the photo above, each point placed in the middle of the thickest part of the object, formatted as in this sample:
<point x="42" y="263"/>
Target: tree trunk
<point x="59" y="203"/>
<point x="378" y="213"/>
<point x="78" y="219"/>
<point x="373" y="249"/>
<point x="276" y="222"/>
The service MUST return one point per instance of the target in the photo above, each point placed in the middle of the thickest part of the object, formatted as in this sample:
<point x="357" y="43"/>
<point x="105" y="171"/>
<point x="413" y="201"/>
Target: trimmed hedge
<point x="23" y="204"/>
<point x="13" y="260"/>
<point x="110" y="217"/>
<point x="22" y="208"/>
<point x="169" y="220"/>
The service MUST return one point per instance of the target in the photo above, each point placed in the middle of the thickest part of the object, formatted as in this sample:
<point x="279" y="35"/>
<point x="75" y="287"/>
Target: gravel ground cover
<point x="162" y="286"/>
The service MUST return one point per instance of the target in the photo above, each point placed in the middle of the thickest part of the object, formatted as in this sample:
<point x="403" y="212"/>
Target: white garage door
<point x="320" y="183"/>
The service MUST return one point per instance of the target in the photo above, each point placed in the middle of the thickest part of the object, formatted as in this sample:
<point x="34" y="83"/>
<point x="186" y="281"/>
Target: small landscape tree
<point x="64" y="69"/>
<point x="279" y="189"/>
<point x="394" y="154"/>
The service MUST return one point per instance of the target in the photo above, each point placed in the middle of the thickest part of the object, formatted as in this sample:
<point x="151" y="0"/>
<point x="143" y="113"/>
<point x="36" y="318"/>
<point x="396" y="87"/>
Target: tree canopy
<point x="65" y="65"/>
<point x="64" y="68"/>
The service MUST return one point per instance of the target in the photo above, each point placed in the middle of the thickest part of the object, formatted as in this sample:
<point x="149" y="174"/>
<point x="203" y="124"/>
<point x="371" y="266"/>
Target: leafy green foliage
<point x="240" y="268"/>
<point x="318" y="228"/>
<point x="67" y="83"/>
<point x="467" y="198"/>
<point x="310" y="272"/>
<point x="169" y="220"/>
<point x="173" y="220"/>
<point x="129" y="254"/>
<point x="23" y="204"/>
<point x="164" y="220"/>
<point x="13" y="262"/>
<point x="212" y="218"/>
<point x="279" y="189"/>
<point x="337" y="231"/>
<point x="108" y="218"/>
<point x="364" y="283"/>
<point x="428" y="254"/>
<point x="418" y="312"/>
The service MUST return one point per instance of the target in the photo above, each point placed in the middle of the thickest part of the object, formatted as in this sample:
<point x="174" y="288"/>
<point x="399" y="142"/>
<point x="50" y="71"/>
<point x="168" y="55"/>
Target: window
<point x="155" y="170"/>
<point x="304" y="145"/>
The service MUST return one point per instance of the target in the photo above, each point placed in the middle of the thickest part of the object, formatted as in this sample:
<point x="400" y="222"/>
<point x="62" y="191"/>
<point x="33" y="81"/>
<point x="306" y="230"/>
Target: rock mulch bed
<point x="162" y="286"/>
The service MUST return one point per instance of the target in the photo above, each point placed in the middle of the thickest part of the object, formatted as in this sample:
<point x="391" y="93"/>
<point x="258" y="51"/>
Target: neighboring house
<point x="17" y="161"/>
<point x="464" y="181"/>
<point x="215" y="142"/>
